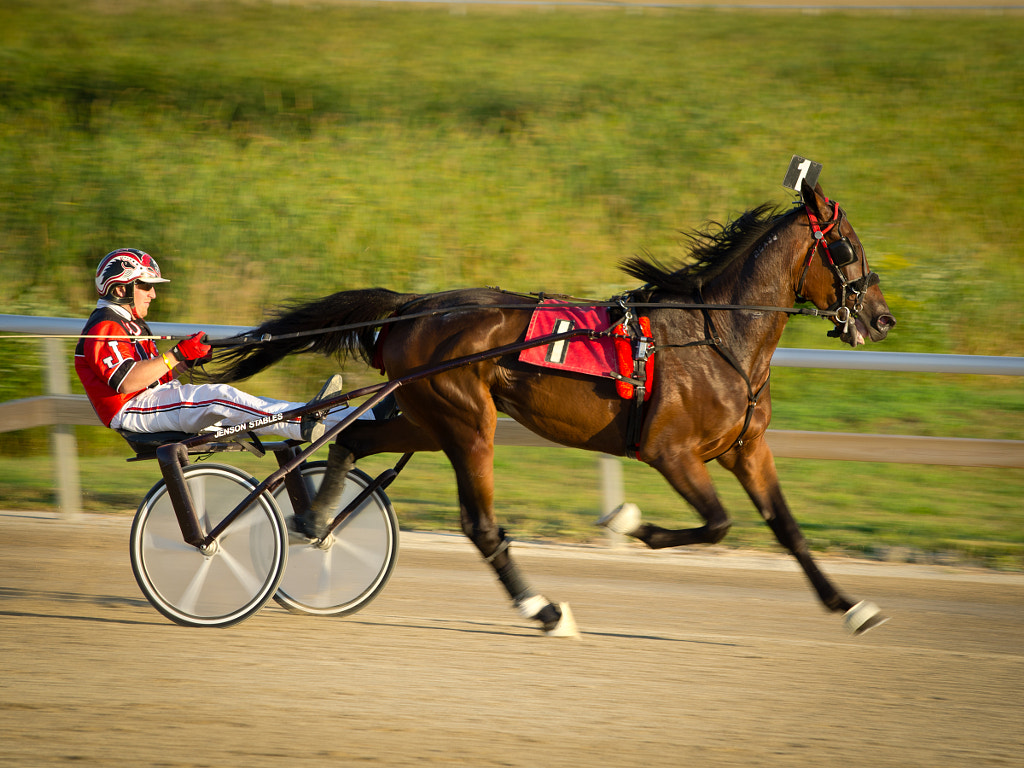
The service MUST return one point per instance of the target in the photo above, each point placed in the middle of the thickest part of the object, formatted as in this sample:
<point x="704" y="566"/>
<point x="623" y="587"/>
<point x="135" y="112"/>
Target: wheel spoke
<point x="326" y="568"/>
<point x="345" y="572"/>
<point x="243" y="523"/>
<point x="197" y="489"/>
<point x="249" y="580"/>
<point x="165" y="544"/>
<point x="192" y="592"/>
<point x="363" y="554"/>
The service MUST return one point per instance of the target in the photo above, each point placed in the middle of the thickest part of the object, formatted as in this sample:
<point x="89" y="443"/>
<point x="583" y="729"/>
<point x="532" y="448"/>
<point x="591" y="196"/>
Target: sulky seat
<point x="146" y="443"/>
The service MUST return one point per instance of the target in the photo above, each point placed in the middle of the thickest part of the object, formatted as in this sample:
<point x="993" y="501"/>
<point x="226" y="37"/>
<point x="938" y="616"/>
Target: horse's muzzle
<point x="881" y="326"/>
<point x="864" y="329"/>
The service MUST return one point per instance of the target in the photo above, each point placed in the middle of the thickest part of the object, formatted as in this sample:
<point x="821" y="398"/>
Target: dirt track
<point x="686" y="659"/>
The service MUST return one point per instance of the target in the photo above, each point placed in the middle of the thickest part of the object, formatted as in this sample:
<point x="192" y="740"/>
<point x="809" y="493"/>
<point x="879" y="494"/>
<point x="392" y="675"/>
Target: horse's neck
<point x="762" y="279"/>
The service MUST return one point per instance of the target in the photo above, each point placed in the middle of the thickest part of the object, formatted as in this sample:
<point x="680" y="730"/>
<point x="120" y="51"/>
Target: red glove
<point x="194" y="350"/>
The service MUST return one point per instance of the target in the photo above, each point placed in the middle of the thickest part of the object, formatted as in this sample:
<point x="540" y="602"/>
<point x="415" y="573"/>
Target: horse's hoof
<point x="624" y="519"/>
<point x="298" y="539"/>
<point x="296" y="532"/>
<point x="862" y="617"/>
<point x="566" y="626"/>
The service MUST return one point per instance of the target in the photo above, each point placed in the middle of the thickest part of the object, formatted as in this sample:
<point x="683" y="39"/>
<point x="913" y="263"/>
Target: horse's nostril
<point x="885" y="322"/>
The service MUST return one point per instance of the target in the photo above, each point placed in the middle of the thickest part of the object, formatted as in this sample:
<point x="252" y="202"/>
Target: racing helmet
<point x="126" y="266"/>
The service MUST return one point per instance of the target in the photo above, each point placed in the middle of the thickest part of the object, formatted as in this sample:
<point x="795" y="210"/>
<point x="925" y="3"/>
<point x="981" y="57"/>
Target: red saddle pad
<point x="595" y="357"/>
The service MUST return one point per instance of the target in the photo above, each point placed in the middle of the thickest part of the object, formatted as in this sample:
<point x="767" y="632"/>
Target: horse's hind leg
<point x="316" y="520"/>
<point x="475" y="483"/>
<point x="754" y="467"/>
<point x="471" y="454"/>
<point x="468" y="442"/>
<point x="363" y="438"/>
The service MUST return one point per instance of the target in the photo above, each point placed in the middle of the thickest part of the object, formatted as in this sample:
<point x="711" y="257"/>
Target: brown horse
<point x="715" y="325"/>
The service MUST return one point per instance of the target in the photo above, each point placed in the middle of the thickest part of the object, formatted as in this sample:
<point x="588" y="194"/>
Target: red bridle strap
<point x="819" y="233"/>
<point x="819" y="239"/>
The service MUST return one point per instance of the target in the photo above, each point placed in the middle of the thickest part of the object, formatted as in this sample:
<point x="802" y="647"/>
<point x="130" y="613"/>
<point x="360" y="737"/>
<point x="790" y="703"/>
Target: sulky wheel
<point x="351" y="566"/>
<point x="230" y="580"/>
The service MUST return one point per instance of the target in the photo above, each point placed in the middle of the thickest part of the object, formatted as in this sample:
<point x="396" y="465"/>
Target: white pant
<point x="177" y="407"/>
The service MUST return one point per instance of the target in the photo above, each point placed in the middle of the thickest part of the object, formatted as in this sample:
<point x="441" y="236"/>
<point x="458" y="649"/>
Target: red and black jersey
<point x="103" y="363"/>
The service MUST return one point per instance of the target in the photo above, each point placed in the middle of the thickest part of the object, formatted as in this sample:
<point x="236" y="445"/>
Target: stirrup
<point x="311" y="425"/>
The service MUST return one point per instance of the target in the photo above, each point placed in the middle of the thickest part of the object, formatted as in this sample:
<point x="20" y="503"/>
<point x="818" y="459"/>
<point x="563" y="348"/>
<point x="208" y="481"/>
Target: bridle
<point x="837" y="254"/>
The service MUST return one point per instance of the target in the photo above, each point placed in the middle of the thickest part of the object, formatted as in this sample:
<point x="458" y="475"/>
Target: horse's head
<point x="835" y="275"/>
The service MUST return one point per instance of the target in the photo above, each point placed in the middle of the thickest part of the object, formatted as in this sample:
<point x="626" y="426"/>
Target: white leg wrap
<point x="624" y="519"/>
<point x="531" y="606"/>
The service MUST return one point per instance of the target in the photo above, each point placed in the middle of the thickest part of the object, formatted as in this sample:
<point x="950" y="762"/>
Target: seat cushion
<point x="149" y="440"/>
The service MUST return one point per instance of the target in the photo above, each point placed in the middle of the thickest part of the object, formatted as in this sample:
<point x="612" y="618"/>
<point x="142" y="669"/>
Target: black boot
<point x="311" y="426"/>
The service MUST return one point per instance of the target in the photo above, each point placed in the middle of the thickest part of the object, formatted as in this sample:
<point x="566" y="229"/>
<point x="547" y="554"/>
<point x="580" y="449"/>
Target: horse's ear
<point x="816" y="201"/>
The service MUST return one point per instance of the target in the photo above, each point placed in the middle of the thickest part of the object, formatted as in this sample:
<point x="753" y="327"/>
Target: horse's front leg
<point x="754" y="467"/>
<point x="690" y="479"/>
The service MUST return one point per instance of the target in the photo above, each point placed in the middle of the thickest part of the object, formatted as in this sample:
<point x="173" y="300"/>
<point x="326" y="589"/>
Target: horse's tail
<point x="341" y="324"/>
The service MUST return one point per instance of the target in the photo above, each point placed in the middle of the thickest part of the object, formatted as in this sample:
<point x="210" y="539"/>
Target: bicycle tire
<point x="240" y="572"/>
<point x="353" y="565"/>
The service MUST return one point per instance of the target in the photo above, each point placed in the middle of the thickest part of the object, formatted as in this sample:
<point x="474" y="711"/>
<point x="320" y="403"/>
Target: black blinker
<point x="841" y="252"/>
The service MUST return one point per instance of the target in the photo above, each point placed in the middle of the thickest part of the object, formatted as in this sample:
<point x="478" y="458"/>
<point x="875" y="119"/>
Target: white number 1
<point x="804" y="167"/>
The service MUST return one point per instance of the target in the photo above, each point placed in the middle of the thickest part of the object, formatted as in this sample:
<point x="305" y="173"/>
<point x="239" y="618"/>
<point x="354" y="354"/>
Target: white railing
<point x="785" y="358"/>
<point x="61" y="409"/>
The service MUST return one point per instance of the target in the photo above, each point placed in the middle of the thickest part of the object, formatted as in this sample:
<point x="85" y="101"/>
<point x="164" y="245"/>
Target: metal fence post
<point x="63" y="446"/>
<point x="609" y="468"/>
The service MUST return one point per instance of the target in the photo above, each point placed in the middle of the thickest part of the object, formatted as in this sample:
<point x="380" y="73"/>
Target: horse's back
<point x="445" y="326"/>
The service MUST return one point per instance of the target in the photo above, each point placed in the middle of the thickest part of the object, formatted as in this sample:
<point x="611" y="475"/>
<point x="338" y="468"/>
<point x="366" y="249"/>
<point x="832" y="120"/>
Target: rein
<point x="238" y="341"/>
<point x="248" y="338"/>
<point x="122" y="337"/>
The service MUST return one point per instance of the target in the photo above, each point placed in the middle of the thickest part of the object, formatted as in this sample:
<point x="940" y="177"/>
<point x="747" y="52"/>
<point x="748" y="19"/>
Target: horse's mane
<point x="712" y="249"/>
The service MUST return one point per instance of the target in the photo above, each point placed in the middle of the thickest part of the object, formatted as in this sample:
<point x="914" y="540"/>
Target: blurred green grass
<point x="267" y="152"/>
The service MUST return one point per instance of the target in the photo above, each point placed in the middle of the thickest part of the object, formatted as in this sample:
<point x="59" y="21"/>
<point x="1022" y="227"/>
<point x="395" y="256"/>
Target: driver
<point x="133" y="387"/>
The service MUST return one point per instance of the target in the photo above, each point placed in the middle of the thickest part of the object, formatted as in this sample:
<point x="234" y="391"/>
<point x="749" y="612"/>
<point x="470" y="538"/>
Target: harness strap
<point x="503" y="545"/>
<point x="715" y="341"/>
<point x="719" y="345"/>
<point x="751" y="406"/>
<point x="637" y="329"/>
<point x="842" y="315"/>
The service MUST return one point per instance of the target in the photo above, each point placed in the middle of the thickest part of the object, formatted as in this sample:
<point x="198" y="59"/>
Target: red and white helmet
<point x="126" y="266"/>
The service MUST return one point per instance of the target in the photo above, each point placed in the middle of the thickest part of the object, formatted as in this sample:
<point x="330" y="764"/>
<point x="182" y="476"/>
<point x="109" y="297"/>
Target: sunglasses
<point x="145" y="286"/>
